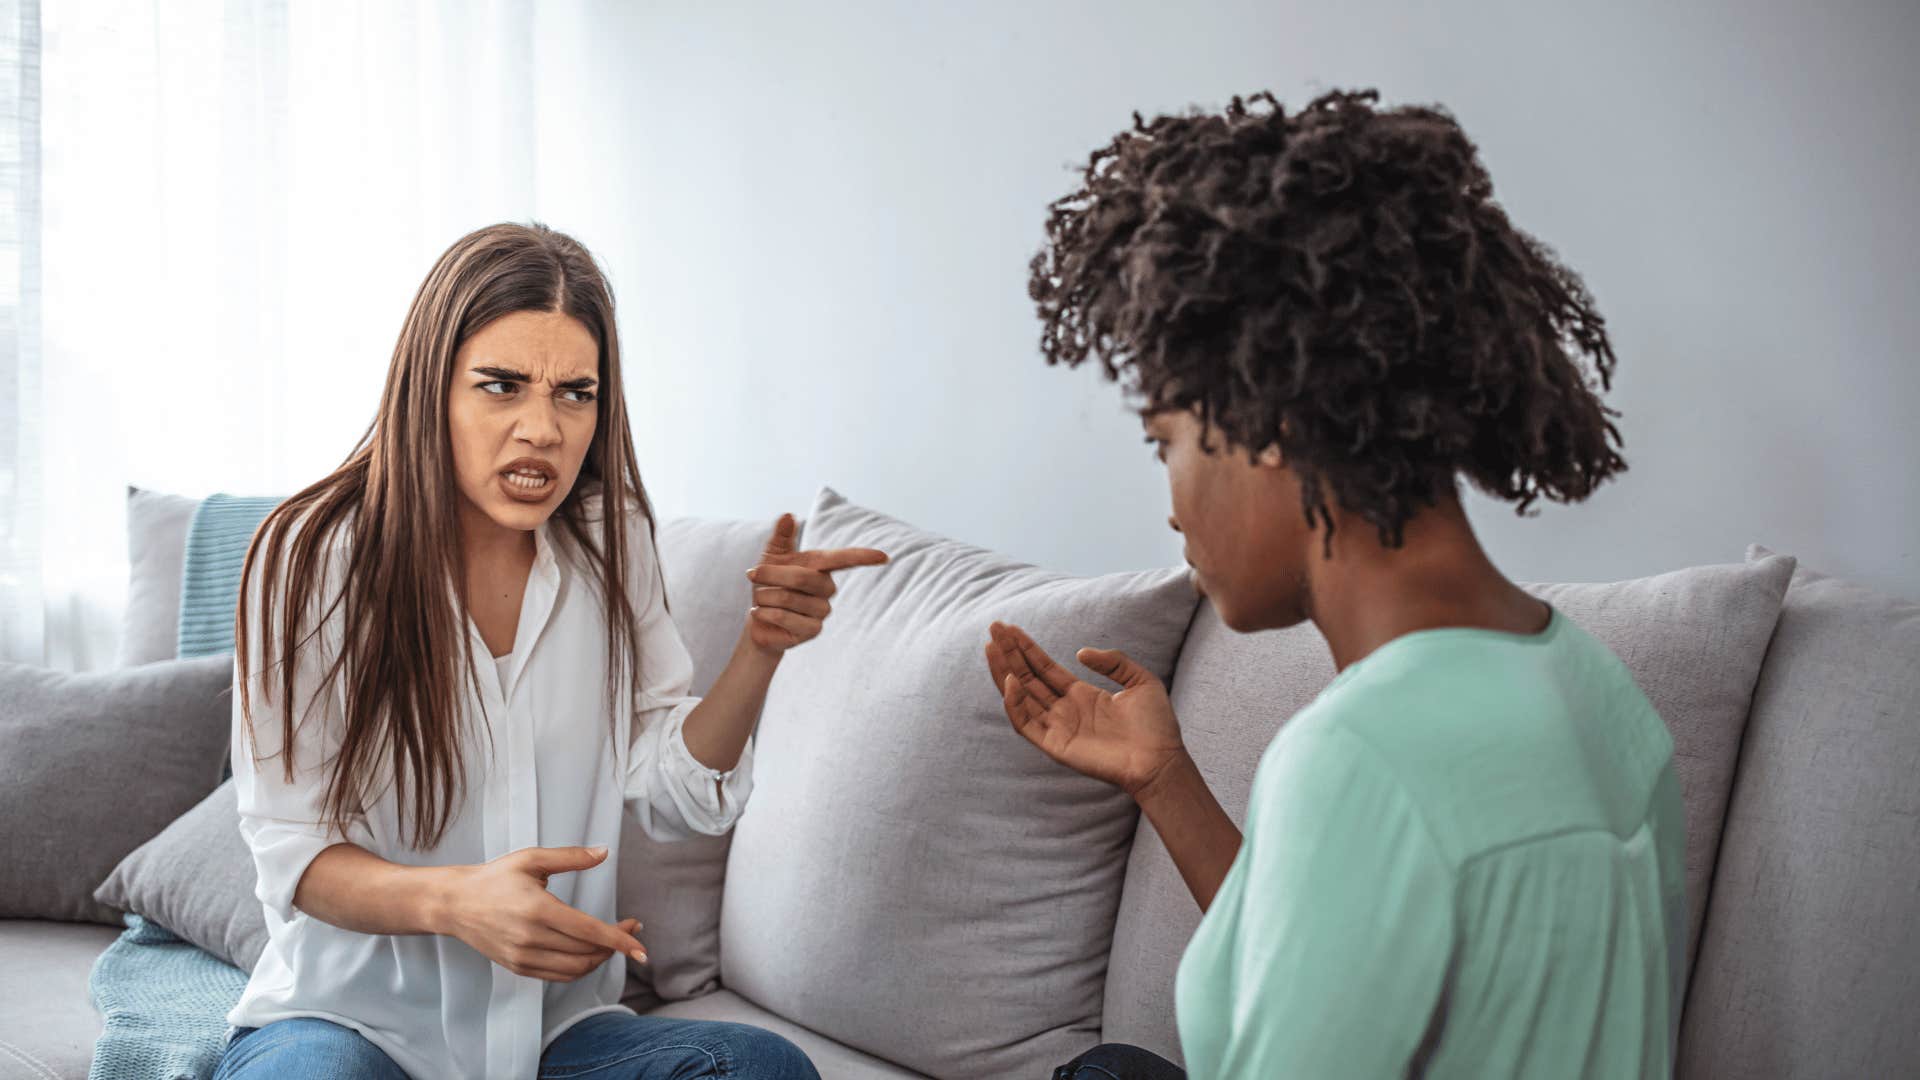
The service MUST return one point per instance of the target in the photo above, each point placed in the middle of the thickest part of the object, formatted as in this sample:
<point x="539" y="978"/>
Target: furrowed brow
<point x="503" y="373"/>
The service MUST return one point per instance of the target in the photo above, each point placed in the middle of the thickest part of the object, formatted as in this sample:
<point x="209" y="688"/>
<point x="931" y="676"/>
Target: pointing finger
<point x="841" y="558"/>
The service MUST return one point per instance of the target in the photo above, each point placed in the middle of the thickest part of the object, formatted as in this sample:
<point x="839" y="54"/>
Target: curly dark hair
<point x="1341" y="284"/>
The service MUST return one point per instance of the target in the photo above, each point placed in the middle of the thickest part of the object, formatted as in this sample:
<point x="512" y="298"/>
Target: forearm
<point x="352" y="888"/>
<point x="1199" y="835"/>
<point x="716" y="730"/>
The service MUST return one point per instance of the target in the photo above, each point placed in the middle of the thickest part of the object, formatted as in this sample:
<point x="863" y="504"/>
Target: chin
<point x="523" y="516"/>
<point x="1243" y="617"/>
<point x="1235" y="619"/>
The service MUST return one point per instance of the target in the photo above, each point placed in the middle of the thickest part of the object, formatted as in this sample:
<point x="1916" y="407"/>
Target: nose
<point x="538" y="423"/>
<point x="1174" y="524"/>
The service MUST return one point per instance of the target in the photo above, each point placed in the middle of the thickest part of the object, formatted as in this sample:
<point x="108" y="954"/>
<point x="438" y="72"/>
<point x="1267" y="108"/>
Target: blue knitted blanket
<point x="217" y="542"/>
<point x="165" y="1005"/>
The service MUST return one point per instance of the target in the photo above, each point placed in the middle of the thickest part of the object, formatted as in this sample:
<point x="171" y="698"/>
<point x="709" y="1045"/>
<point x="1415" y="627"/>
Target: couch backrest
<point x="1810" y="961"/>
<point x="1694" y="640"/>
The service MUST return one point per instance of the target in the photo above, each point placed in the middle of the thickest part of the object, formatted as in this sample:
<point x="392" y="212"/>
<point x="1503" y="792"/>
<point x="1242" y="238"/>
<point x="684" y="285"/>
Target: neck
<point x="1366" y="594"/>
<point x="487" y="543"/>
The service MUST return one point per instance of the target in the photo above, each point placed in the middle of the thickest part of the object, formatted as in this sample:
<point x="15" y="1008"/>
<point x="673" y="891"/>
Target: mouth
<point x="529" y="480"/>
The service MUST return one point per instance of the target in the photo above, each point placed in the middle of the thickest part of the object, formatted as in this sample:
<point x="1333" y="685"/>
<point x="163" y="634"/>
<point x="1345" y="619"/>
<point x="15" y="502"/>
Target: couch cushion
<point x="834" y="1061"/>
<point x="1693" y="640"/>
<point x="1810" y="964"/>
<point x="912" y="878"/>
<point x="675" y="888"/>
<point x="92" y="766"/>
<point x="47" y="1022"/>
<point x="156" y="549"/>
<point x="197" y="879"/>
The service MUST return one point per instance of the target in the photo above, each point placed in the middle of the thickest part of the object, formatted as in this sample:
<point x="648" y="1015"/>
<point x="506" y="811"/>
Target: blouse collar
<point x="544" y="560"/>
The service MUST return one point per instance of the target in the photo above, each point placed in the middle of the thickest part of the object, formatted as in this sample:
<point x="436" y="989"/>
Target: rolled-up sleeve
<point x="281" y="819"/>
<point x="668" y="791"/>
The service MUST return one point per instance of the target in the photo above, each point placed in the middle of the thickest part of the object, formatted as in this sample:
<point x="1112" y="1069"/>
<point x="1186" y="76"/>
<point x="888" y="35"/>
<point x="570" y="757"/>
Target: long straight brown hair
<point x="404" y="639"/>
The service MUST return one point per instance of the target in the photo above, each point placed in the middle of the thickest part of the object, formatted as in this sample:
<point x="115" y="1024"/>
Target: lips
<point x="529" y="479"/>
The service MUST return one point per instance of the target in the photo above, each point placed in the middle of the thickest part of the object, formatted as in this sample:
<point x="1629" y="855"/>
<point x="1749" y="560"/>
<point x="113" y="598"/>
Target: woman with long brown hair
<point x="435" y="829"/>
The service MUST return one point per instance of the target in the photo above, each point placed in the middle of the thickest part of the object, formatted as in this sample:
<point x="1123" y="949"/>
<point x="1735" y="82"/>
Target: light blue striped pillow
<point x="217" y="542"/>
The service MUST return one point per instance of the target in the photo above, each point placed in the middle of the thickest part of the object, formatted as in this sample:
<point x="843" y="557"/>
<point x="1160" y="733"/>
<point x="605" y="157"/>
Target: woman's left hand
<point x="792" y="590"/>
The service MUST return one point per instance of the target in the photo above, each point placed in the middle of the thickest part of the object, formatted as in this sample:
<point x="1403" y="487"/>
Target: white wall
<point x="818" y="217"/>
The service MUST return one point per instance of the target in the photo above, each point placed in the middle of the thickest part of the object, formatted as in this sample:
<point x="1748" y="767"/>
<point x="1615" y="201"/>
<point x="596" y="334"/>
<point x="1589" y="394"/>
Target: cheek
<point x="463" y="437"/>
<point x="580" y="431"/>
<point x="473" y="433"/>
<point x="1196" y="507"/>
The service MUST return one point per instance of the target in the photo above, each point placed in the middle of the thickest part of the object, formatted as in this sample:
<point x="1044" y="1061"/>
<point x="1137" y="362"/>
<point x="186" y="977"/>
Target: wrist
<point x="439" y="899"/>
<point x="1176" y="773"/>
<point x="751" y="651"/>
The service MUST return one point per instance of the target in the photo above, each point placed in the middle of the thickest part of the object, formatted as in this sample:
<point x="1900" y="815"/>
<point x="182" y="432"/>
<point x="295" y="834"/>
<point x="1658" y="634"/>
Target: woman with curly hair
<point x="1464" y="857"/>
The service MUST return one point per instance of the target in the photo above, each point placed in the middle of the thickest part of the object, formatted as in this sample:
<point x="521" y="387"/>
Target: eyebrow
<point x="510" y="375"/>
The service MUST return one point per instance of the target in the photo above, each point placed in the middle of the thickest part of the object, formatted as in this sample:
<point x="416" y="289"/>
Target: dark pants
<point x="1117" y="1061"/>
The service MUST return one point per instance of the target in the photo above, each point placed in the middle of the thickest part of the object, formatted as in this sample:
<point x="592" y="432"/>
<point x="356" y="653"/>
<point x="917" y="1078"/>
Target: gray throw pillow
<point x="94" y="765"/>
<point x="196" y="879"/>
<point x="1693" y="640"/>
<point x="156" y="549"/>
<point x="674" y="888"/>
<point x="911" y="877"/>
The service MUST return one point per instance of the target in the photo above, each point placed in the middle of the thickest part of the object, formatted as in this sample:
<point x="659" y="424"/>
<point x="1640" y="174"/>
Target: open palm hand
<point x="1124" y="738"/>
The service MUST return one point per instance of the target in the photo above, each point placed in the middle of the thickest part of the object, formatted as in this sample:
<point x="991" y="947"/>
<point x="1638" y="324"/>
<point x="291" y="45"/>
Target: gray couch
<point x="895" y="949"/>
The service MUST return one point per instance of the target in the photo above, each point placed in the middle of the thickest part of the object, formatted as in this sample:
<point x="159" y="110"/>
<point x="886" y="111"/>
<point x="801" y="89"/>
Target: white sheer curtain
<point x="241" y="197"/>
<point x="21" y="631"/>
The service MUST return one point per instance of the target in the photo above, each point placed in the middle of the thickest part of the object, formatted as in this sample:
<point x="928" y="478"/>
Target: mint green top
<point x="1465" y="854"/>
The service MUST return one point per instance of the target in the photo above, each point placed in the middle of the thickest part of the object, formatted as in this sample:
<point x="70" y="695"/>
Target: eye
<point x="1159" y="447"/>
<point x="585" y="397"/>
<point x="510" y="387"/>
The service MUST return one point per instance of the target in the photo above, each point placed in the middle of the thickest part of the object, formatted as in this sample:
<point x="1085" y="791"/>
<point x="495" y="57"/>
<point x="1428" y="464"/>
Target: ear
<point x="1270" y="457"/>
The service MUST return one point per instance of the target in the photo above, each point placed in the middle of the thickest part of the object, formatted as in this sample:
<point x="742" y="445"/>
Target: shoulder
<point x="297" y="567"/>
<point x="1323" y="792"/>
<point x="283" y="537"/>
<point x="590" y="508"/>
<point x="1321" y="765"/>
<point x="589" y="514"/>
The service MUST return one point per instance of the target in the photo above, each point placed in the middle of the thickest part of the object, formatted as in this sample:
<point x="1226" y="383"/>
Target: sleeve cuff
<point x="680" y="755"/>
<point x="672" y="794"/>
<point x="282" y="851"/>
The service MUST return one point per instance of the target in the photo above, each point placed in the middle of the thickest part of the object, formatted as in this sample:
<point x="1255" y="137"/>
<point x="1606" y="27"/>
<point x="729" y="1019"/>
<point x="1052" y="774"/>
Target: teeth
<point x="527" y="480"/>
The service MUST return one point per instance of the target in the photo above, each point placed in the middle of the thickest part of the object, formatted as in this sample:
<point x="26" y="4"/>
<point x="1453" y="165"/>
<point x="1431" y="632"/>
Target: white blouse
<point x="552" y="777"/>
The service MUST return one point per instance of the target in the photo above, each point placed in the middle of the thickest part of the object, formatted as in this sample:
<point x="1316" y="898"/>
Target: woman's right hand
<point x="503" y="909"/>
<point x="1127" y="739"/>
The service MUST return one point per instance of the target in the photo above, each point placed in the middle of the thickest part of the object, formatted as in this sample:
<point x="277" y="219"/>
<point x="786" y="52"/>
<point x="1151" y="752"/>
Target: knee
<point x="303" y="1045"/>
<point x="759" y="1054"/>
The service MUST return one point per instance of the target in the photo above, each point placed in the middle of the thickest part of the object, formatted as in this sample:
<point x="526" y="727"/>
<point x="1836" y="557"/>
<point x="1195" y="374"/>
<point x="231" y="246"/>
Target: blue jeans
<point x="1117" y="1061"/>
<point x="606" y="1046"/>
